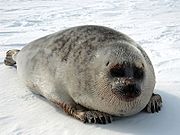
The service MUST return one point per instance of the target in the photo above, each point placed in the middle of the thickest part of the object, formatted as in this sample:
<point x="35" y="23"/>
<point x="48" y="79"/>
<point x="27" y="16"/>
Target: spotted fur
<point x="71" y="68"/>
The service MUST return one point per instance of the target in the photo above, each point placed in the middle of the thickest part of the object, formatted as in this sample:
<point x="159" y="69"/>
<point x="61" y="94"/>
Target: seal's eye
<point x="117" y="71"/>
<point x="138" y="73"/>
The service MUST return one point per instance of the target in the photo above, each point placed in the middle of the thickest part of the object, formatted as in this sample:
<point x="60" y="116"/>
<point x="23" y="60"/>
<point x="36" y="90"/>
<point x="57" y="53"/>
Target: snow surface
<point x="154" y="24"/>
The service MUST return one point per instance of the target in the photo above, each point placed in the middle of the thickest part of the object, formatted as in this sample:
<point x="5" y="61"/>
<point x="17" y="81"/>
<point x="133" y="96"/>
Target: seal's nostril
<point x="131" y="88"/>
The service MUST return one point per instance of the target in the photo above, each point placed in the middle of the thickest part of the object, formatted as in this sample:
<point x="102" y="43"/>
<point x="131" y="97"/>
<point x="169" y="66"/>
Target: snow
<point x="154" y="24"/>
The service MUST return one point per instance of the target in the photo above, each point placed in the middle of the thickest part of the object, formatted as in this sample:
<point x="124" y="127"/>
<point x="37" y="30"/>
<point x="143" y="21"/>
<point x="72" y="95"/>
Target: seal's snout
<point x="132" y="91"/>
<point x="126" y="88"/>
<point x="126" y="80"/>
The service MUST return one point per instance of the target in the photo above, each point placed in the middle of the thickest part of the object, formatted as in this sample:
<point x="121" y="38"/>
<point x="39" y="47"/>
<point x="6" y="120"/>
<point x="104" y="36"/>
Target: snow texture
<point x="154" y="24"/>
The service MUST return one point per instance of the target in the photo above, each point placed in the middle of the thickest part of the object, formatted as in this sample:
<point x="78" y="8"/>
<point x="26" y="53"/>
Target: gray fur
<point x="70" y="67"/>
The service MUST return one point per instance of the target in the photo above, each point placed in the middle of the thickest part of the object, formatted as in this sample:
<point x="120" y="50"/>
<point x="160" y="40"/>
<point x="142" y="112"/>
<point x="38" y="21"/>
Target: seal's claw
<point x="154" y="104"/>
<point x="97" y="117"/>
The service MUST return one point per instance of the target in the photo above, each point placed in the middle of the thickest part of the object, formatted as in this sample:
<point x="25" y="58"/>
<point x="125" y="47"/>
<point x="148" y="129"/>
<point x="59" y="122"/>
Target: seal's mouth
<point x="126" y="94"/>
<point x="126" y="91"/>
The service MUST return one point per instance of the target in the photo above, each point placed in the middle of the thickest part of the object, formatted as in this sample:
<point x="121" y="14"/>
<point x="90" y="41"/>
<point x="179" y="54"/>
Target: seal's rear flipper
<point x="10" y="59"/>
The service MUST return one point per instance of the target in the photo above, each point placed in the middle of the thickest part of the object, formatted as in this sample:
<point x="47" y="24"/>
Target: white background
<point x="154" y="24"/>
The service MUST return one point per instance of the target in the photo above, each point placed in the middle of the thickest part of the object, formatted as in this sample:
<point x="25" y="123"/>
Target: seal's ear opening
<point x="117" y="71"/>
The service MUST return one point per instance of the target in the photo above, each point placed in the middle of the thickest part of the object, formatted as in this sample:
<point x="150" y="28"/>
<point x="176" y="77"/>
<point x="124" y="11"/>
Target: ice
<point x="154" y="24"/>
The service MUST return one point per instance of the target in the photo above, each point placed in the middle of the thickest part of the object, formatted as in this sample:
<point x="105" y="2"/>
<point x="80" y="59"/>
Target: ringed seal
<point x="91" y="72"/>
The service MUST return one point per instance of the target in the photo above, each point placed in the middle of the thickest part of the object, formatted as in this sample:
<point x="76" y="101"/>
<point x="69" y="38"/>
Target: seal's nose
<point x="131" y="87"/>
<point x="132" y="90"/>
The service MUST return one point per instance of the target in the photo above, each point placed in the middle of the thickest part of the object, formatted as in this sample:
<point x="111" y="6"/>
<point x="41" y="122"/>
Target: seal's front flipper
<point x="85" y="115"/>
<point x="95" y="117"/>
<point x="154" y="104"/>
<point x="10" y="59"/>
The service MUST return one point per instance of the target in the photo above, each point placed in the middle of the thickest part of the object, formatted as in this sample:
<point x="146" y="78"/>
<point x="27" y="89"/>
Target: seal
<point x="92" y="72"/>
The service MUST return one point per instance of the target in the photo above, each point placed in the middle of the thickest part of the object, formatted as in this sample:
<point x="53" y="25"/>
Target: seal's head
<point x="123" y="79"/>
